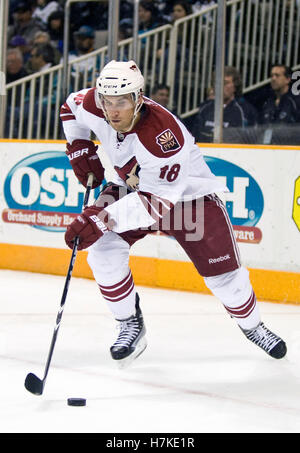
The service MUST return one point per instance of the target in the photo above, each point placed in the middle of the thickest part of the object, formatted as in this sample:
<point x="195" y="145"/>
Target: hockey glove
<point x="89" y="226"/>
<point x="84" y="159"/>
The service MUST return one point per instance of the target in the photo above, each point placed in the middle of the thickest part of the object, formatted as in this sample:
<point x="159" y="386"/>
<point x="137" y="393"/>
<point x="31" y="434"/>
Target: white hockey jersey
<point x="158" y="160"/>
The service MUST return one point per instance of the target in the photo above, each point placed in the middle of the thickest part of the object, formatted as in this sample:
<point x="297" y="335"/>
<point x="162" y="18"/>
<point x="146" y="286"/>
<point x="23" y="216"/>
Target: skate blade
<point x="125" y="363"/>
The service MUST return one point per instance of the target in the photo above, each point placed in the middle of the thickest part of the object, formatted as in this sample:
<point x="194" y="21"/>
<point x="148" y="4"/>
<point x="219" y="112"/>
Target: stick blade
<point x="34" y="384"/>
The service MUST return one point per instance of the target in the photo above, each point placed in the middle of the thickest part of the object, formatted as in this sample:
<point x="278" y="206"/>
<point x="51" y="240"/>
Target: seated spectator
<point x="15" y="65"/>
<point x="44" y="9"/>
<point x="24" y="24"/>
<point x="125" y="28"/>
<point x="280" y="113"/>
<point x="18" y="42"/>
<point x="84" y="44"/>
<point x="42" y="37"/>
<point x="84" y="40"/>
<point x="160" y="93"/>
<point x="238" y="113"/>
<point x="149" y="17"/>
<point x="282" y="106"/>
<point x="45" y="93"/>
<point x="181" y="9"/>
<point x="55" y="28"/>
<point x="15" y="70"/>
<point x="42" y="57"/>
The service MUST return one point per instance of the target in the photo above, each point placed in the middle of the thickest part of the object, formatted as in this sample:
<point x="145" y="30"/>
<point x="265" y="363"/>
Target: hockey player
<point x="161" y="178"/>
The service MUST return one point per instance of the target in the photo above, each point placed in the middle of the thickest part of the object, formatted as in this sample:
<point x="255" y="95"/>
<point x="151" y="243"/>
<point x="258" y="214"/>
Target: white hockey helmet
<point x="120" y="77"/>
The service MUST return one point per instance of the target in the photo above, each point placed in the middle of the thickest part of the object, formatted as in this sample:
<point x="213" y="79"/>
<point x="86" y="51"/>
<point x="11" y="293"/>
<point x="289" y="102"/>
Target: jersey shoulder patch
<point x="159" y="131"/>
<point x="90" y="104"/>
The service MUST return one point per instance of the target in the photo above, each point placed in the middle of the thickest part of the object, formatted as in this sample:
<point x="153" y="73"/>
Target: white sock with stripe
<point x="236" y="293"/>
<point x="120" y="297"/>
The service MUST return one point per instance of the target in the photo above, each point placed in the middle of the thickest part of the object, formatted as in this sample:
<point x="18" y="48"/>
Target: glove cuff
<point x="81" y="147"/>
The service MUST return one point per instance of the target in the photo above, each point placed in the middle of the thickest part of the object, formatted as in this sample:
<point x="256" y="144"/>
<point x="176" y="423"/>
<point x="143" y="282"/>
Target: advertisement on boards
<point x="267" y="205"/>
<point x="40" y="196"/>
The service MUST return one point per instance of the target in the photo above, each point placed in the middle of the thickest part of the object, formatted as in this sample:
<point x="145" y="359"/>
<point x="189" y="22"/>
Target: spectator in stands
<point x="280" y="113"/>
<point x="282" y="106"/>
<point x="55" y="28"/>
<point x="181" y="9"/>
<point x="18" y="42"/>
<point x="15" y="70"/>
<point x="238" y="113"/>
<point x="149" y="17"/>
<point x="42" y="37"/>
<point x="44" y="8"/>
<point x="84" y="44"/>
<point x="42" y="57"/>
<point x="24" y="24"/>
<point x="15" y="65"/>
<point x="125" y="29"/>
<point x="84" y="40"/>
<point x="160" y="93"/>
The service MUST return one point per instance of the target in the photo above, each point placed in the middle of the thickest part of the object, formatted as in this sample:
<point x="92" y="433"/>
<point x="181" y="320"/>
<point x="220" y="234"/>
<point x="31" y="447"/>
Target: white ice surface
<point x="199" y="374"/>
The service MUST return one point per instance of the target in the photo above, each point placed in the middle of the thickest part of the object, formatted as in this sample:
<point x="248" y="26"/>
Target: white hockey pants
<point x="109" y="261"/>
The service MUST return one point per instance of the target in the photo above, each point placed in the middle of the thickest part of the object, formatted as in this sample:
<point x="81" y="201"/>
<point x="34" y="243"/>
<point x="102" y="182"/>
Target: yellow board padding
<point x="275" y="286"/>
<point x="202" y="145"/>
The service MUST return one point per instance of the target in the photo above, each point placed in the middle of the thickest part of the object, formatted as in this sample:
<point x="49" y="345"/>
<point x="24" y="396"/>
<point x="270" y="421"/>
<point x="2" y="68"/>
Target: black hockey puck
<point x="76" y="402"/>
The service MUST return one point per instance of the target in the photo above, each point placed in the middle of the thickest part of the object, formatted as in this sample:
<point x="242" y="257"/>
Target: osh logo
<point x="244" y="202"/>
<point x="42" y="191"/>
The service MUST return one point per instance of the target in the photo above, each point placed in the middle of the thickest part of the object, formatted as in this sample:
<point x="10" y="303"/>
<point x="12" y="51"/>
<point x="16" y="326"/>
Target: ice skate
<point x="131" y="341"/>
<point x="267" y="340"/>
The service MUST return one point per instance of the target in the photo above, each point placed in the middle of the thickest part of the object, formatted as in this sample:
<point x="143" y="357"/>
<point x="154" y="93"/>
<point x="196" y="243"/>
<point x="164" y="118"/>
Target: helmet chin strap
<point x="138" y="107"/>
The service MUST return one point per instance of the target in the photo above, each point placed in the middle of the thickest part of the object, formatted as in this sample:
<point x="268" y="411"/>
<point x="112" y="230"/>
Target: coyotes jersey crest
<point x="129" y="173"/>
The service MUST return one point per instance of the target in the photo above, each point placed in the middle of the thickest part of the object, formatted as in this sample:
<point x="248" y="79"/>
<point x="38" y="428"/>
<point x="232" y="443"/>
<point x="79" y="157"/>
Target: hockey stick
<point x="34" y="384"/>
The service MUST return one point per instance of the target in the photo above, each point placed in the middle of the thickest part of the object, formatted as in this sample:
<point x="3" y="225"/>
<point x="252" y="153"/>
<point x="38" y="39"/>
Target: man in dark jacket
<point x="282" y="106"/>
<point x="238" y="113"/>
<point x="280" y="114"/>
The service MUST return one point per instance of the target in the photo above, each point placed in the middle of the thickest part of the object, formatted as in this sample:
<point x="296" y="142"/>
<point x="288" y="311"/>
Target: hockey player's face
<point x="120" y="111"/>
